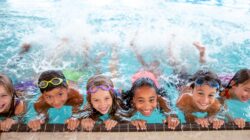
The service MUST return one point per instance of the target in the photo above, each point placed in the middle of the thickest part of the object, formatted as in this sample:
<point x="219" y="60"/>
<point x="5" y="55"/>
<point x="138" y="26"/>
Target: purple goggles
<point x="94" y="89"/>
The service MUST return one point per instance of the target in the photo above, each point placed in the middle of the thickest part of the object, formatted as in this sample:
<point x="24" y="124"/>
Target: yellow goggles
<point x="53" y="81"/>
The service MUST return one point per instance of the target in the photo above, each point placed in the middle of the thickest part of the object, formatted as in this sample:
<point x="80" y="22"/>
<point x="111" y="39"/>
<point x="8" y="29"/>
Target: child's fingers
<point x="240" y="123"/>
<point x="72" y="124"/>
<point x="35" y="125"/>
<point x="135" y="123"/>
<point x="110" y="124"/>
<point x="205" y="122"/>
<point x="217" y="124"/>
<point x="142" y="125"/>
<point x="8" y="125"/>
<point x="87" y="124"/>
<point x="172" y="123"/>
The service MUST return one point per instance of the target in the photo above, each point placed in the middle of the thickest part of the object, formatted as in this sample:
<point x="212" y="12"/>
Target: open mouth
<point x="103" y="110"/>
<point x="146" y="112"/>
<point x="57" y="106"/>
<point x="244" y="99"/>
<point x="2" y="106"/>
<point x="204" y="106"/>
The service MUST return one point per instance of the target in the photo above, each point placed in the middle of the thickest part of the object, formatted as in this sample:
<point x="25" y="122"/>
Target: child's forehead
<point x="145" y="89"/>
<point x="3" y="89"/>
<point x="55" y="90"/>
<point x="205" y="87"/>
<point x="100" y="94"/>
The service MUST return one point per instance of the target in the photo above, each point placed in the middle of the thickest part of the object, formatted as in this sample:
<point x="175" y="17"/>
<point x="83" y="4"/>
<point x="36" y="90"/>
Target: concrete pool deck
<point x="175" y="135"/>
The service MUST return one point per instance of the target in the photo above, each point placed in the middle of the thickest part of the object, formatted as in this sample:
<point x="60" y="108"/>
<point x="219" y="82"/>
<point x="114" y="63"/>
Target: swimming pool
<point x="59" y="29"/>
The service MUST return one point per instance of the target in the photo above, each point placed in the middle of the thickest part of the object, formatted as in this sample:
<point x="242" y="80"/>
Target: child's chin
<point x="57" y="107"/>
<point x="146" y="114"/>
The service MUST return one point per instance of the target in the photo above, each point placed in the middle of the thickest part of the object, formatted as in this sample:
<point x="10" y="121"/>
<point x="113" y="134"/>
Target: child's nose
<point x="102" y="103"/>
<point x="205" y="100"/>
<point x="147" y="105"/>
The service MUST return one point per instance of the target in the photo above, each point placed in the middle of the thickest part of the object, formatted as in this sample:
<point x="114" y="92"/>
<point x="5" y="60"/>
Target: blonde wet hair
<point x="6" y="82"/>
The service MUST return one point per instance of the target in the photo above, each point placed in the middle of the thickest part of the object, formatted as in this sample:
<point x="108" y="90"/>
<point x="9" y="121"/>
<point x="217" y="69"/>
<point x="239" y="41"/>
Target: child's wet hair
<point x="99" y="80"/>
<point x="50" y="74"/>
<point x="144" y="81"/>
<point x="240" y="77"/>
<point x="206" y="75"/>
<point x="6" y="82"/>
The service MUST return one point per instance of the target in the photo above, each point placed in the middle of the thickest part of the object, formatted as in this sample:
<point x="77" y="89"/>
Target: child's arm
<point x="184" y="103"/>
<point x="171" y="118"/>
<point x="41" y="108"/>
<point x="213" y="114"/>
<point x="20" y="108"/>
<point x="75" y="100"/>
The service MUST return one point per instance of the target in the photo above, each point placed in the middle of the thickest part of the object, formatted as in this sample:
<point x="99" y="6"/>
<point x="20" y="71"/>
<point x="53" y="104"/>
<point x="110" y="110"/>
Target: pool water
<point x="58" y="31"/>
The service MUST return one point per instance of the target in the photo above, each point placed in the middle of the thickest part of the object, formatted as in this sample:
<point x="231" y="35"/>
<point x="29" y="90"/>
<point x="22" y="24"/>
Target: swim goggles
<point x="212" y="83"/>
<point x="94" y="89"/>
<point x="53" y="81"/>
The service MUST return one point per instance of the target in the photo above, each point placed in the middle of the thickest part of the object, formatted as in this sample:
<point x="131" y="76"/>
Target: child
<point x="10" y="105"/>
<point x="199" y="97"/>
<point x="55" y="94"/>
<point x="145" y="99"/>
<point x="103" y="103"/>
<point x="238" y="88"/>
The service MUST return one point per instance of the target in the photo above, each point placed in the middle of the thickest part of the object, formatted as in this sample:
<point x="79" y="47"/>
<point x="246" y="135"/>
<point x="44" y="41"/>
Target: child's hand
<point x="217" y="123"/>
<point x="6" y="124"/>
<point x="139" y="124"/>
<point x="88" y="124"/>
<point x="35" y="124"/>
<point x="109" y="124"/>
<point x="73" y="123"/>
<point x="202" y="121"/>
<point x="172" y="122"/>
<point x="240" y="122"/>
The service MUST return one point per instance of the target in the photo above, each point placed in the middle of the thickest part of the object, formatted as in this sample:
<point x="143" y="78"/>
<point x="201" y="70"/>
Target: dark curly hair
<point x="128" y="96"/>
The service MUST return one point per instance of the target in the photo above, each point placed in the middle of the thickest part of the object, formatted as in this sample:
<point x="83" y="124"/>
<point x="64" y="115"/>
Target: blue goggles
<point x="212" y="83"/>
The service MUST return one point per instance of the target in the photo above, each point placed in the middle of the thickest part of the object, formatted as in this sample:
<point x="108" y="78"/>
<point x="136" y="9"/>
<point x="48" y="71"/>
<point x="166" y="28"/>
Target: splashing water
<point x="67" y="34"/>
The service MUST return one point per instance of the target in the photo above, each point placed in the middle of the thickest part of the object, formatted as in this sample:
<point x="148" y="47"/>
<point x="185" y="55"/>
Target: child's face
<point x="204" y="96"/>
<point x="242" y="91"/>
<point x="5" y="100"/>
<point x="145" y="100"/>
<point x="101" y="101"/>
<point x="56" y="97"/>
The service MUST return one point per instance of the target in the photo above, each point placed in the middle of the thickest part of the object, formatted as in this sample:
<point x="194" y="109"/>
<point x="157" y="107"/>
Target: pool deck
<point x="180" y="135"/>
<point x="126" y="131"/>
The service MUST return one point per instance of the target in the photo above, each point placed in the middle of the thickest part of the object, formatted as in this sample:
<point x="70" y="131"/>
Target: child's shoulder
<point x="74" y="93"/>
<point x="20" y="108"/>
<point x="184" y="99"/>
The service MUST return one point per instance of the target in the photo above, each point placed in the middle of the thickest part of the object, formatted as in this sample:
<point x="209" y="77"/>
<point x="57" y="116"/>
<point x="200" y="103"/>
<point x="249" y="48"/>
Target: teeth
<point x="2" y="106"/>
<point x="147" y="111"/>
